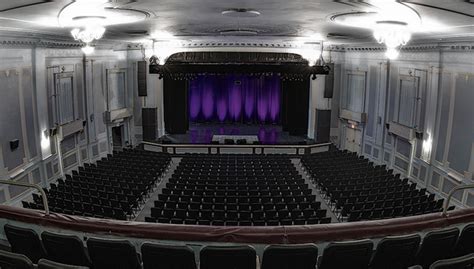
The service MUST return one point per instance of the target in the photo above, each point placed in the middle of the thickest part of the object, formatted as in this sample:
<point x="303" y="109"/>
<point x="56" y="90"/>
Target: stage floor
<point x="202" y="133"/>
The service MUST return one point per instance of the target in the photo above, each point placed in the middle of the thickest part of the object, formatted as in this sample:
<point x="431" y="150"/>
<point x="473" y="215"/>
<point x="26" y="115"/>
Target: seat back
<point x="231" y="257"/>
<point x="396" y="252"/>
<point x="25" y="241"/>
<point x="9" y="260"/>
<point x="436" y="246"/>
<point x="112" y="254"/>
<point x="47" y="264"/>
<point x="167" y="257"/>
<point x="463" y="262"/>
<point x="290" y="256"/>
<point x="465" y="243"/>
<point x="354" y="255"/>
<point x="67" y="249"/>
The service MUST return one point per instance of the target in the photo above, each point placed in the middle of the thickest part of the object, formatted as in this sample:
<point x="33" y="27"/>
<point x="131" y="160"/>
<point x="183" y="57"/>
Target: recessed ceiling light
<point x="241" y="13"/>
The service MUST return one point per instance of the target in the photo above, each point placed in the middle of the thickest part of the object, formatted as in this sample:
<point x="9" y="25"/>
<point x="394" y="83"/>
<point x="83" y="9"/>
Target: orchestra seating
<point x="410" y="250"/>
<point x="237" y="190"/>
<point x="359" y="190"/>
<point x="114" y="187"/>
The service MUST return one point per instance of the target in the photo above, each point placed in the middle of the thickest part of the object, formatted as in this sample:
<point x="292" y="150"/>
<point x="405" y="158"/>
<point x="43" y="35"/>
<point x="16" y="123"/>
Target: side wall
<point x="413" y="114"/>
<point x="29" y="83"/>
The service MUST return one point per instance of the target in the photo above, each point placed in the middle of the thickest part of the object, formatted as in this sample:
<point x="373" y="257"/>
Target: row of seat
<point x="115" y="187"/>
<point x="358" y="190"/>
<point x="391" y="252"/>
<point x="257" y="198"/>
<point x="9" y="260"/>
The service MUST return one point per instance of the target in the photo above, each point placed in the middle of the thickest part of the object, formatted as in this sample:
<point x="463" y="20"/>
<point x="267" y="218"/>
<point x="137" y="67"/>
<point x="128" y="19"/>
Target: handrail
<point x="43" y="194"/>
<point x="451" y="193"/>
<point x="235" y="145"/>
<point x="295" y="234"/>
<point x="251" y="146"/>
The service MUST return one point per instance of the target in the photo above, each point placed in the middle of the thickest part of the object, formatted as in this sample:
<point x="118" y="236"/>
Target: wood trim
<point x="264" y="235"/>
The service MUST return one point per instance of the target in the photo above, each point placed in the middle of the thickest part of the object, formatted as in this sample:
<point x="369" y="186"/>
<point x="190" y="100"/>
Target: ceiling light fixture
<point x="87" y="49"/>
<point x="88" y="33"/>
<point x="311" y="52"/>
<point x="394" y="34"/>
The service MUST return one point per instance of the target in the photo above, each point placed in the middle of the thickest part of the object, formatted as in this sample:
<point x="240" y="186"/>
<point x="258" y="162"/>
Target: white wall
<point x="442" y="74"/>
<point x="26" y="79"/>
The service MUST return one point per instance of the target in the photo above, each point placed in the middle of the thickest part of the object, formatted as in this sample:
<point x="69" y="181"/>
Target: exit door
<point x="353" y="140"/>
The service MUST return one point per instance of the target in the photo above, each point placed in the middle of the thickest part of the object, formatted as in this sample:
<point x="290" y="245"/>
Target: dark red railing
<point x="257" y="235"/>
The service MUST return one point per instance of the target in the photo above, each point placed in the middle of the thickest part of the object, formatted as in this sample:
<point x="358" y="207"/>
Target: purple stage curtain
<point x="235" y="98"/>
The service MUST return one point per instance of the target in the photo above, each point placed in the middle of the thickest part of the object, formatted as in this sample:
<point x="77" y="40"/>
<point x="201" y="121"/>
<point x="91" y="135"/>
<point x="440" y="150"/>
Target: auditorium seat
<point x="167" y="256"/>
<point x="112" y="254"/>
<point x="235" y="257"/>
<point x="47" y="264"/>
<point x="67" y="249"/>
<point x="114" y="187"/>
<point x="237" y="190"/>
<point x="359" y="190"/>
<point x="437" y="245"/>
<point x="395" y="252"/>
<point x="463" y="262"/>
<point x="465" y="244"/>
<point x="25" y="241"/>
<point x="354" y="255"/>
<point x="9" y="260"/>
<point x="290" y="256"/>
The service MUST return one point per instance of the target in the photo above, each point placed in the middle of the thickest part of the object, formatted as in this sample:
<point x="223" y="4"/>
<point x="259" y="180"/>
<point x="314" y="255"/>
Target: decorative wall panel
<point x="10" y="119"/>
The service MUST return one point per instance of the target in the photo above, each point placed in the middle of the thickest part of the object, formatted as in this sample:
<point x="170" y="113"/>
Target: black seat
<point x="235" y="257"/>
<point x="113" y="254"/>
<point x="25" y="241"/>
<point x="290" y="256"/>
<point x="47" y="264"/>
<point x="465" y="243"/>
<point x="395" y="252"/>
<point x="436" y="246"/>
<point x="67" y="249"/>
<point x="167" y="257"/>
<point x="9" y="260"/>
<point x="354" y="255"/>
<point x="463" y="262"/>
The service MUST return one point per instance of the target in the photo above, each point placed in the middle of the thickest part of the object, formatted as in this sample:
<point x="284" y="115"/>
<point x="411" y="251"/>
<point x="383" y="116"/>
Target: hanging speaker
<point x="141" y="78"/>
<point x="329" y="83"/>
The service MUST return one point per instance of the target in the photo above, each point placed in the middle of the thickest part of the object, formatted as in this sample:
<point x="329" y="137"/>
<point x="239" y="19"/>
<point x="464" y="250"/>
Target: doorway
<point x="353" y="140"/>
<point x="117" y="137"/>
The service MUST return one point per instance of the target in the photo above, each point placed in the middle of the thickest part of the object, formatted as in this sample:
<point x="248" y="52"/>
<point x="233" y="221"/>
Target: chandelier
<point x="394" y="34"/>
<point x="88" y="34"/>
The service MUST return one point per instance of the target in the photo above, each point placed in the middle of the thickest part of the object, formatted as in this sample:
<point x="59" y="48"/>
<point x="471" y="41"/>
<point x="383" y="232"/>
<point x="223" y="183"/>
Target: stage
<point x="203" y="133"/>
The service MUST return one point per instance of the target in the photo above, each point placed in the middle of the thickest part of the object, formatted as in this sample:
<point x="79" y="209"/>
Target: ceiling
<point x="280" y="20"/>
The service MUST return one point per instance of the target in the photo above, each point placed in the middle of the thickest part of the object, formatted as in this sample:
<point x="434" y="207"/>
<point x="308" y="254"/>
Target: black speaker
<point x="323" y="125"/>
<point x="14" y="144"/>
<point x="329" y="83"/>
<point x="150" y="124"/>
<point x="141" y="78"/>
<point x="419" y="135"/>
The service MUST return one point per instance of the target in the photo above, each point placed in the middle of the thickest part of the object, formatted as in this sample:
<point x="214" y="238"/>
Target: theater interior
<point x="236" y="134"/>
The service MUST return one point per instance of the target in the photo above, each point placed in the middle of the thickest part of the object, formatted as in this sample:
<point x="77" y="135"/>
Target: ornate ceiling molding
<point x="463" y="46"/>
